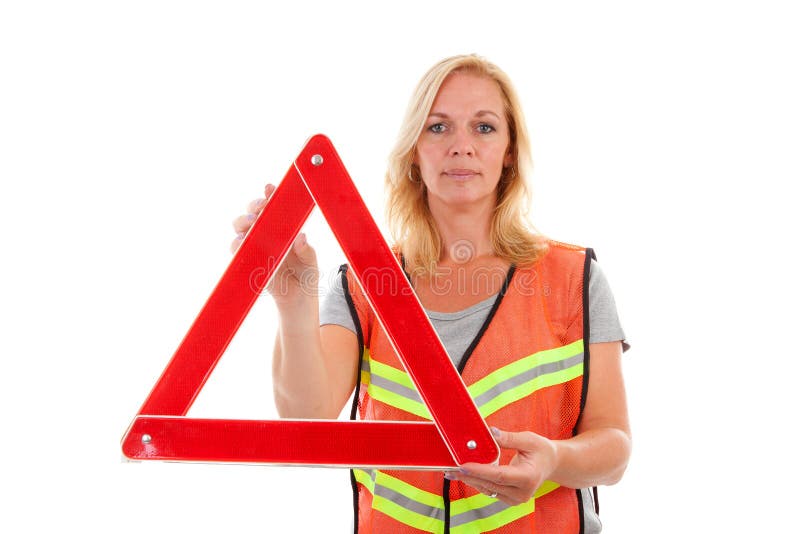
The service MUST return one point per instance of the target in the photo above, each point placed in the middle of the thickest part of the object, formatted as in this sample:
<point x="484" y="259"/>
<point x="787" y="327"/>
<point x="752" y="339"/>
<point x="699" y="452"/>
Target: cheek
<point x="501" y="153"/>
<point x="424" y="156"/>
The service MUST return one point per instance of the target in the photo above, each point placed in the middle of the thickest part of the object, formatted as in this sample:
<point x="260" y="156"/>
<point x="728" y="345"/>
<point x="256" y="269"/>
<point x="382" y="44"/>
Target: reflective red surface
<point x="172" y="436"/>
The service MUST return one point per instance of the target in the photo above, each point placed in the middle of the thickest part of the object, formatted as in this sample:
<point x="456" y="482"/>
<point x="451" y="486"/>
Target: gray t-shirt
<point x="458" y="329"/>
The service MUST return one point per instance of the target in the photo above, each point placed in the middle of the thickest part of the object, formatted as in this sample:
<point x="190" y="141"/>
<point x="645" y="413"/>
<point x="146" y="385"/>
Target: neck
<point x="465" y="230"/>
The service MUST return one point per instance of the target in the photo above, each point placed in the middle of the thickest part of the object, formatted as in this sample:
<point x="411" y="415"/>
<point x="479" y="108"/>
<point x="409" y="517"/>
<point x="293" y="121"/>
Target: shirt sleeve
<point x="334" y="308"/>
<point x="604" y="324"/>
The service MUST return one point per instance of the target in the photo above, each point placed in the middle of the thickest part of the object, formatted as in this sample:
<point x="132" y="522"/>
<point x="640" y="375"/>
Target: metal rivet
<point x="316" y="160"/>
<point x="471" y="445"/>
<point x="146" y="438"/>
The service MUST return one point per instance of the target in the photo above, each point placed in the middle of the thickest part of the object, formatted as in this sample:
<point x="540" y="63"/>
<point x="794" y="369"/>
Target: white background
<point x="665" y="135"/>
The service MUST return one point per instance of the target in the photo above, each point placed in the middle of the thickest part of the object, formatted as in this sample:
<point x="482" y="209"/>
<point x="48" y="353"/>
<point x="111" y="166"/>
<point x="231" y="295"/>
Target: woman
<point x="509" y="307"/>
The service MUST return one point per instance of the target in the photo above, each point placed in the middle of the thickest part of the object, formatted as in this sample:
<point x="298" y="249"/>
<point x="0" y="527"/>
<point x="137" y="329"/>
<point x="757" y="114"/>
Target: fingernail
<point x="495" y="431"/>
<point x="301" y="239"/>
<point x="251" y="217"/>
<point x="463" y="471"/>
<point x="448" y="475"/>
<point x="240" y="235"/>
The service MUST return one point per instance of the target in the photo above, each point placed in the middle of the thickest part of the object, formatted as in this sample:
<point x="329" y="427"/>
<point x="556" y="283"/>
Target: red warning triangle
<point x="458" y="433"/>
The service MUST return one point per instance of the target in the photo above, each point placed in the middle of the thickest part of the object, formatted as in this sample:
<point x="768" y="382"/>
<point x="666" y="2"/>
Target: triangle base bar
<point x="289" y="442"/>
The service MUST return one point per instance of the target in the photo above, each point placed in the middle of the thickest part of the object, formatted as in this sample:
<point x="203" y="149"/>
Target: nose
<point x="462" y="144"/>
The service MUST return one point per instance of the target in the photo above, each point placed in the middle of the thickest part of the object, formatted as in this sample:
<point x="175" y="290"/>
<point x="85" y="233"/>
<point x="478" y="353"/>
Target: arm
<point x="309" y="381"/>
<point x="314" y="369"/>
<point x="597" y="455"/>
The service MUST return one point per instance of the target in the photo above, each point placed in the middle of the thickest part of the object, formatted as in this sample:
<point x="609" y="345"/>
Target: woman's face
<point x="465" y="142"/>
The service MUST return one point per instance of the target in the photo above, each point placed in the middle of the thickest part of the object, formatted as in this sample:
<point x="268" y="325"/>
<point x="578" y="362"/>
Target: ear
<point x="508" y="161"/>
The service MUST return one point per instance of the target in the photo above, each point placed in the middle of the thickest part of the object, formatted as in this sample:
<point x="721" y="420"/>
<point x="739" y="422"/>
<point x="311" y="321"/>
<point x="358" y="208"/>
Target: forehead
<point x="466" y="93"/>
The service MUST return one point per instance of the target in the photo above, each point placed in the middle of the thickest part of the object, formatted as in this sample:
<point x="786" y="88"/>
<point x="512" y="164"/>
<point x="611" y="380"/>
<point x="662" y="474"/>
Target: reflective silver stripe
<point x="394" y="387"/>
<point x="478" y="513"/>
<point x="527" y="376"/>
<point x="409" y="504"/>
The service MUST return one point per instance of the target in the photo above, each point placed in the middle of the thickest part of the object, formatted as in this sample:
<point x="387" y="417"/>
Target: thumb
<point x="305" y="253"/>
<point x="507" y="440"/>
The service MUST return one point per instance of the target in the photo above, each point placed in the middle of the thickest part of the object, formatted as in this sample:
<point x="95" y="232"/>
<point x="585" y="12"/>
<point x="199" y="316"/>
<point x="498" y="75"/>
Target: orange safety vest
<point x="526" y="370"/>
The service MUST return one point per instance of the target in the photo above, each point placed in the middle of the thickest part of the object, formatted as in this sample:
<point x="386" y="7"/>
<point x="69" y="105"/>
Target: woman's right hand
<point x="296" y="279"/>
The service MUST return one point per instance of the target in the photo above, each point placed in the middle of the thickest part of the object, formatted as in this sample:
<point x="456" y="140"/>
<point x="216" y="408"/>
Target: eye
<point x="436" y="128"/>
<point x="485" y="128"/>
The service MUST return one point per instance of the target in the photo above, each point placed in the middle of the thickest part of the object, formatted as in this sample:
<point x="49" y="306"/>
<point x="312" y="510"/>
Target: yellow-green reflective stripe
<point x="398" y="513"/>
<point x="552" y="369"/>
<point x="528" y="388"/>
<point x="425" y="511"/>
<point x="524" y="364"/>
<point x="481" y="513"/>
<point x="396" y="401"/>
<point x="468" y="503"/>
<point x="546" y="487"/>
<point x="392" y="386"/>
<point x="493" y="392"/>
<point x="363" y="478"/>
<point x="406" y="489"/>
<point x="390" y="373"/>
<point x="403" y="502"/>
<point x="493" y="521"/>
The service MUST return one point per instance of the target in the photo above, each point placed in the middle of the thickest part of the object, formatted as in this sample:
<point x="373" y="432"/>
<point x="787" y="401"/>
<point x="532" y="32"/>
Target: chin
<point x="463" y="198"/>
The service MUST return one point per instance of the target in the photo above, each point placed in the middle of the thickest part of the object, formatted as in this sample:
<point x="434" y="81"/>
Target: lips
<point x="460" y="173"/>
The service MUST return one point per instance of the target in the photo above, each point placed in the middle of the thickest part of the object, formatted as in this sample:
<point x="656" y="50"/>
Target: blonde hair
<point x="407" y="212"/>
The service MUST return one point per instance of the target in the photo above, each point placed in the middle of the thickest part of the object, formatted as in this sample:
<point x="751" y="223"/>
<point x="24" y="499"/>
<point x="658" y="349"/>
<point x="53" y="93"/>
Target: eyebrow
<point x="478" y="114"/>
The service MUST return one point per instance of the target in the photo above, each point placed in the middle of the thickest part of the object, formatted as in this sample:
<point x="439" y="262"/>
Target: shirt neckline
<point x="460" y="314"/>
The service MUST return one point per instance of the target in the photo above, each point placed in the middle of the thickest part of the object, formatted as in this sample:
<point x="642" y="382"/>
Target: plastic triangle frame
<point x="458" y="434"/>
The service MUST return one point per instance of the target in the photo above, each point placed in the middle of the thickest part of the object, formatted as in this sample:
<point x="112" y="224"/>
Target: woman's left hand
<point x="515" y="483"/>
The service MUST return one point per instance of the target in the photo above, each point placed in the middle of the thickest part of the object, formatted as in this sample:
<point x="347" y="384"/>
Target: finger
<point x="305" y="252"/>
<point x="236" y="243"/>
<point x="486" y="490"/>
<point x="483" y="471"/>
<point x="506" y="440"/>
<point x="521" y="441"/>
<point x="498" y="475"/>
<point x="268" y="190"/>
<point x="242" y="223"/>
<point x="506" y="494"/>
<point x="479" y="484"/>
<point x="256" y="206"/>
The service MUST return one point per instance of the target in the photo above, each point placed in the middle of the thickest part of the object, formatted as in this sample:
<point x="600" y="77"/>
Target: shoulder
<point x="563" y="257"/>
<point x="561" y="267"/>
